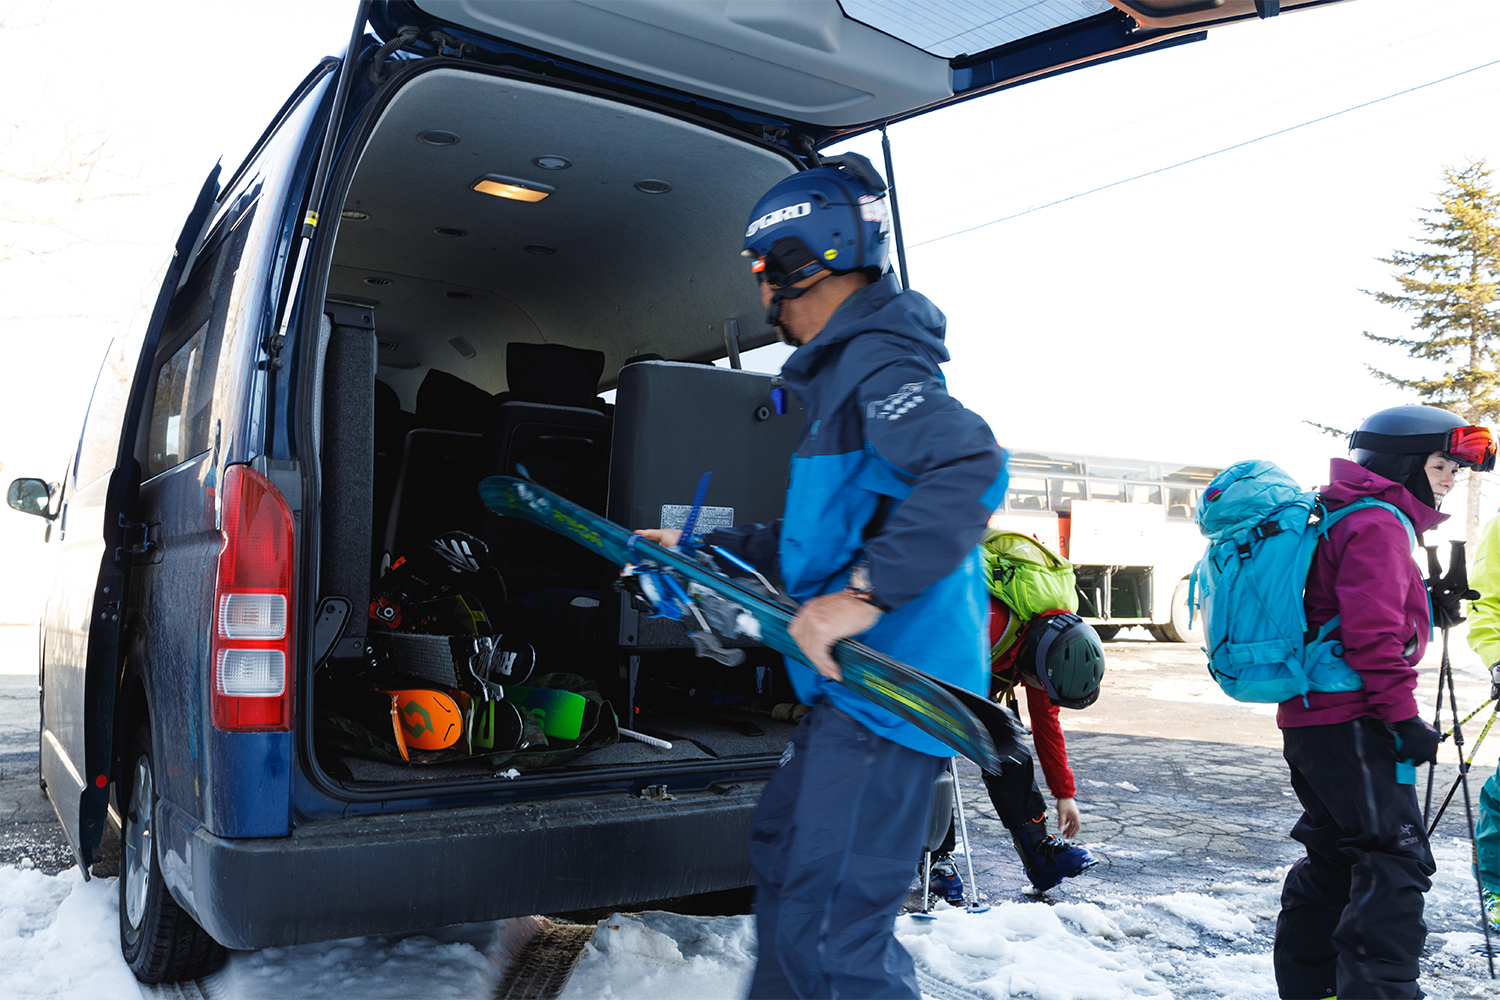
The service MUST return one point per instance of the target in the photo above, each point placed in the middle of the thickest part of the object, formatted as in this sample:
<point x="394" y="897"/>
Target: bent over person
<point x="1351" y="910"/>
<point x="892" y="484"/>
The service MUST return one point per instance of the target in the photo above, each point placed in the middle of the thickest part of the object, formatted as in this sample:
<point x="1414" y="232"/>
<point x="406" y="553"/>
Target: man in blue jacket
<point x="892" y="485"/>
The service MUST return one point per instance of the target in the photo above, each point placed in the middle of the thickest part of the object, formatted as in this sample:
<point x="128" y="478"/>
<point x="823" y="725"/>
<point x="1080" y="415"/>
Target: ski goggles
<point x="788" y="262"/>
<point x="1472" y="446"/>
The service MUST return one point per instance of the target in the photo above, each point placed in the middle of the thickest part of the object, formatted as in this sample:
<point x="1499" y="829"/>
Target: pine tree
<point x="1450" y="287"/>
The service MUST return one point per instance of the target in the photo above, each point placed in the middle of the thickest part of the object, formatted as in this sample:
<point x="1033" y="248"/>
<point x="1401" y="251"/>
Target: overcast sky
<point x="1197" y="314"/>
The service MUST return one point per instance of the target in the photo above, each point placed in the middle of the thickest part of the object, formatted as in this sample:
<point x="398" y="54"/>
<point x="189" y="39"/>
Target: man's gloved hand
<point x="1416" y="740"/>
<point x="1495" y="682"/>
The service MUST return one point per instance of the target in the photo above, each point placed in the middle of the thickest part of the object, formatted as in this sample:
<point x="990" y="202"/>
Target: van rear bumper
<point x="403" y="872"/>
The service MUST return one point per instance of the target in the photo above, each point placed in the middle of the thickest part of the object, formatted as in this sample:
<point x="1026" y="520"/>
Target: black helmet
<point x="1065" y="654"/>
<point x="1395" y="443"/>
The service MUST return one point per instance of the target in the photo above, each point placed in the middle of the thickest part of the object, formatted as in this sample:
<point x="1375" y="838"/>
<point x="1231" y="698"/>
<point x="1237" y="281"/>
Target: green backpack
<point x="1026" y="576"/>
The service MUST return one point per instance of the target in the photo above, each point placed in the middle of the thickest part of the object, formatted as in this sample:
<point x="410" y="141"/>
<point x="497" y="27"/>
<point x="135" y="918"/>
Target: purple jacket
<point x="1363" y="571"/>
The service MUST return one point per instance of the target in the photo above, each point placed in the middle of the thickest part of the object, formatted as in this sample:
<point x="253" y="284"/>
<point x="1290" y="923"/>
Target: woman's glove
<point x="1416" y="740"/>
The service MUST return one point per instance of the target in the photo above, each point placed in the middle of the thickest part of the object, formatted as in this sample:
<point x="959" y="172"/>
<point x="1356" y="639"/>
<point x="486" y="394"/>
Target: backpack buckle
<point x="1269" y="529"/>
<point x="1243" y="550"/>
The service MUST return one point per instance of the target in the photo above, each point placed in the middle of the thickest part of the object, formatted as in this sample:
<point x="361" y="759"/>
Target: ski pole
<point x="1463" y="774"/>
<point x="963" y="828"/>
<point x="1468" y="717"/>
<point x="1463" y="765"/>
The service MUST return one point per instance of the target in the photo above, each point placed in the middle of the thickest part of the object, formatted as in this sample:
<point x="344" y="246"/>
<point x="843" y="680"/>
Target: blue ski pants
<point x="1487" y="835"/>
<point x="834" y="844"/>
<point x="1351" y="910"/>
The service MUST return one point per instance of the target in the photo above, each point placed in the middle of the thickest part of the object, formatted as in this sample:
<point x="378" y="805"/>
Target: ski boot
<point x="944" y="880"/>
<point x="1049" y="859"/>
<point x="1491" y="907"/>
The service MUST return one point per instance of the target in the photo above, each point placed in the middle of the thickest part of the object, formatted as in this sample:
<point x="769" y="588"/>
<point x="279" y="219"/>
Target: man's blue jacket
<point x="891" y="471"/>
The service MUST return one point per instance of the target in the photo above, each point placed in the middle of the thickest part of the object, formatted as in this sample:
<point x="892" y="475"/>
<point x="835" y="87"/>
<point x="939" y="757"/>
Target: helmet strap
<point x="773" y="312"/>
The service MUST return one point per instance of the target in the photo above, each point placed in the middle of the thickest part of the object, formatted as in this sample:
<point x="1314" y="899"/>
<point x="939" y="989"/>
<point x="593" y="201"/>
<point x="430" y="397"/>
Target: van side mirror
<point x="30" y="496"/>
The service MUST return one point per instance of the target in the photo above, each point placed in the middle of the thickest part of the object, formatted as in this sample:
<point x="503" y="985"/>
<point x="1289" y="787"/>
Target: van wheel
<point x="160" y="942"/>
<point x="1177" y="629"/>
<point x="1107" y="632"/>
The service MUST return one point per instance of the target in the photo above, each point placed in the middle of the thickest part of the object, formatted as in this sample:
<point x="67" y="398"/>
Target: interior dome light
<point x="512" y="187"/>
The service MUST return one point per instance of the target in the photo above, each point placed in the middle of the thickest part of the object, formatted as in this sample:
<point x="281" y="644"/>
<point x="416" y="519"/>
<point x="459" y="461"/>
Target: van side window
<point x="183" y="395"/>
<point x="180" y="410"/>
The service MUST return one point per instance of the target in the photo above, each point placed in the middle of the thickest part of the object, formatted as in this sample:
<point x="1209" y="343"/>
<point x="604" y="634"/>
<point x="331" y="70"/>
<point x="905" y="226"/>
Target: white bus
<point x="1125" y="525"/>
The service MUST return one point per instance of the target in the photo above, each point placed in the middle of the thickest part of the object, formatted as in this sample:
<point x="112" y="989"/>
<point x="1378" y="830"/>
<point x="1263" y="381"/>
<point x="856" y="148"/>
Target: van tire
<point x="1177" y="629"/>
<point x="159" y="941"/>
<point x="1107" y="632"/>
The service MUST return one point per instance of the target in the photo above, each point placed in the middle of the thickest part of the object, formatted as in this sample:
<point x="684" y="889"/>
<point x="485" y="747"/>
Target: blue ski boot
<point x="944" y="880"/>
<point x="1048" y="859"/>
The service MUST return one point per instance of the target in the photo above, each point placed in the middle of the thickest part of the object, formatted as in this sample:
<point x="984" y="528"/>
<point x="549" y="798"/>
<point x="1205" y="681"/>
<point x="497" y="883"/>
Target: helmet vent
<point x="650" y="186"/>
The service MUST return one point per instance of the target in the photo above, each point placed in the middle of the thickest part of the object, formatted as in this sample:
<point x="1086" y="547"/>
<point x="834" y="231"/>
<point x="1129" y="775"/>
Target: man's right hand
<point x="665" y="537"/>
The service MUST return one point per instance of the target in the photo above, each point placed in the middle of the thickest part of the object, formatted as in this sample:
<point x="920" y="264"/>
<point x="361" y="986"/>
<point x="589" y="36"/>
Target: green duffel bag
<point x="1026" y="576"/>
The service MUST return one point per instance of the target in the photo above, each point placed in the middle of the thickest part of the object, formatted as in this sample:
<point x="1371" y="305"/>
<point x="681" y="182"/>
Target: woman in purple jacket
<point x="1351" y="910"/>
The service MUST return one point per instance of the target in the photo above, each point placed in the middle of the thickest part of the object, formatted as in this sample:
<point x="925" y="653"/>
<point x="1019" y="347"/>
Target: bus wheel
<point x="1107" y="632"/>
<point x="1177" y="629"/>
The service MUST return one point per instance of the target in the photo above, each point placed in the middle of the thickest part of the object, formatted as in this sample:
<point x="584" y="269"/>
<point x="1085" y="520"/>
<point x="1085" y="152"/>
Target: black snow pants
<point x="1015" y="796"/>
<point x="1351" y="910"/>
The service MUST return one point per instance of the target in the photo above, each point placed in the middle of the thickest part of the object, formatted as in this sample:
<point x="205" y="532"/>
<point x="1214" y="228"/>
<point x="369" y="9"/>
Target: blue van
<point x="440" y="252"/>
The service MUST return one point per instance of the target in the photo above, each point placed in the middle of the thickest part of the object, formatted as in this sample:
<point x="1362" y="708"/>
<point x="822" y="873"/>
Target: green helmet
<point x="1065" y="654"/>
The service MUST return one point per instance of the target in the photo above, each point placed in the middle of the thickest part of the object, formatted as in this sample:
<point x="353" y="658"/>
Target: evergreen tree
<point x="1450" y="287"/>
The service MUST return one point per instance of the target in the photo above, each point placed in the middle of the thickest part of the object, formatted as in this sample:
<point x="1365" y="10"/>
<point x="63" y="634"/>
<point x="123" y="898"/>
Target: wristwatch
<point x="859" y="586"/>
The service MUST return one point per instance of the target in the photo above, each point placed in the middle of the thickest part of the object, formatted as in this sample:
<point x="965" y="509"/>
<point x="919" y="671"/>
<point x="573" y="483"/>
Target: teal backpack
<point x="1262" y="529"/>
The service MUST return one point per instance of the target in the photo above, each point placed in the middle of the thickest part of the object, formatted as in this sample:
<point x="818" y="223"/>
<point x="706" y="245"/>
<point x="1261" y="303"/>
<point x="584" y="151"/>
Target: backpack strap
<point x="1334" y="516"/>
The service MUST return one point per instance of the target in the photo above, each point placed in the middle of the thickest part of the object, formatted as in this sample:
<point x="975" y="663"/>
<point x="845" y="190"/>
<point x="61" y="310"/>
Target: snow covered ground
<point x="58" y="939"/>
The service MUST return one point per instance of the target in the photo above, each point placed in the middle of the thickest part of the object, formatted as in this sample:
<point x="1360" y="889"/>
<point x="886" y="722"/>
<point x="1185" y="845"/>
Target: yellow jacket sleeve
<point x="1484" y="576"/>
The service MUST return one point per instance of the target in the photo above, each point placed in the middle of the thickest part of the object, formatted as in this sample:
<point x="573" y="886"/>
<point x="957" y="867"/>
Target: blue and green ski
<point x="682" y="585"/>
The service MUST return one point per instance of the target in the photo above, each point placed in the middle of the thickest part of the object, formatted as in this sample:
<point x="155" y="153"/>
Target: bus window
<point x="1064" y="492"/>
<point x="1190" y="474"/>
<point x="1143" y="493"/>
<point x="1181" y="502"/>
<point x="1119" y="468"/>
<point x="1041" y="463"/>
<point x="1111" y="491"/>
<point x="1026" y="495"/>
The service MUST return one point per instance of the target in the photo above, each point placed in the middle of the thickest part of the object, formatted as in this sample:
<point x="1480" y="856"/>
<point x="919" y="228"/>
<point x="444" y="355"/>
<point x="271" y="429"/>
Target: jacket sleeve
<point x="948" y="456"/>
<point x="1484" y="614"/>
<point x="1051" y="748"/>
<point x="757" y="544"/>
<point x="1373" y="577"/>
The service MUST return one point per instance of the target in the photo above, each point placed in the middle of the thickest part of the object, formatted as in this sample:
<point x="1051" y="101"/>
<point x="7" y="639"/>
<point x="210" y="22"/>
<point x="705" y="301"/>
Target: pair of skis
<point x="685" y="582"/>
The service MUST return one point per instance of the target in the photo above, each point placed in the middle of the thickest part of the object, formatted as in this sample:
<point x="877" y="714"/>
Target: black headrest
<point x="448" y="403"/>
<point x="553" y="373"/>
<point x="387" y="413"/>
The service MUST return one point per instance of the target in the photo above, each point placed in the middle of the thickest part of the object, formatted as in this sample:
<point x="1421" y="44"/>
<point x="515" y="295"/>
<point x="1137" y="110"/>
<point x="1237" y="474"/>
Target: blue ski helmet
<point x="832" y="217"/>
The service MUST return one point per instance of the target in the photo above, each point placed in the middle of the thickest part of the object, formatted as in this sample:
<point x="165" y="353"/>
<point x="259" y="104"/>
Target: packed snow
<point x="59" y="938"/>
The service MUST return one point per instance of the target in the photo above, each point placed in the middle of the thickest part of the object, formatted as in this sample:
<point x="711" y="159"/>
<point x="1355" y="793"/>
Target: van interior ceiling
<point x="498" y="319"/>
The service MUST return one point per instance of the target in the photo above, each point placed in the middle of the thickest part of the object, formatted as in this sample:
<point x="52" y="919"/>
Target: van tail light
<point x="252" y="649"/>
